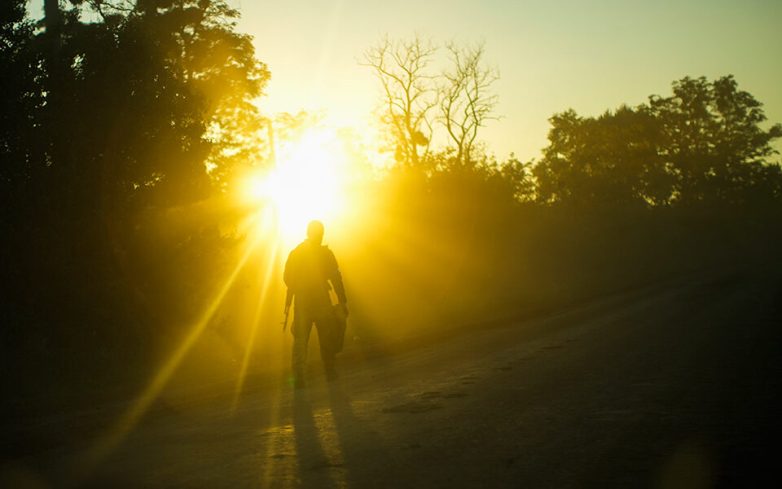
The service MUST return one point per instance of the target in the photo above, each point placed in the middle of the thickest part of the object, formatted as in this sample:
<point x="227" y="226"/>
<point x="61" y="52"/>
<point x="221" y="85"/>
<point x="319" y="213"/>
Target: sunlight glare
<point x="106" y="444"/>
<point x="308" y="182"/>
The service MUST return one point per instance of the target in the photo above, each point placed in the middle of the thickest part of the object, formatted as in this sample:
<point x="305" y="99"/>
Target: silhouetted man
<point x="310" y="272"/>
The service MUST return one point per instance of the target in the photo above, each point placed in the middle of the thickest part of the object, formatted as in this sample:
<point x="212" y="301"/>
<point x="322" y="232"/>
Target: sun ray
<point x="131" y="416"/>
<point x="271" y="266"/>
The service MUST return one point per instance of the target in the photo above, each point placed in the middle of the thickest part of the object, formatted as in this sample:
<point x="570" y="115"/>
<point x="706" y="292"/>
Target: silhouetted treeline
<point x="111" y="117"/>
<point x="455" y="247"/>
<point x="702" y="145"/>
<point x="120" y="134"/>
<point x="683" y="183"/>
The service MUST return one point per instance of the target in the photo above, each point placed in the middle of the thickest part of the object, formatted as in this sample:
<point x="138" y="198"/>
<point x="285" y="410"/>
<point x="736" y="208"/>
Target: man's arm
<point x="335" y="276"/>
<point x="287" y="274"/>
<point x="287" y="277"/>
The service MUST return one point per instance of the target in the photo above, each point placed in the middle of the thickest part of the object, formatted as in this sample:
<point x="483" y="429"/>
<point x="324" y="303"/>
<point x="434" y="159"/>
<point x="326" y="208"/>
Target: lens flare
<point x="308" y="182"/>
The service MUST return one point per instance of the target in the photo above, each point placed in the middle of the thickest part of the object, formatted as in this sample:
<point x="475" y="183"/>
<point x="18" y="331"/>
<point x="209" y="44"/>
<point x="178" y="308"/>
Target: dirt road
<point x="674" y="386"/>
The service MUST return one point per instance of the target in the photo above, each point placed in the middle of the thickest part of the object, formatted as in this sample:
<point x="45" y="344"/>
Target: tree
<point x="408" y="93"/>
<point x="609" y="160"/>
<point x="201" y="77"/>
<point x="702" y="144"/>
<point x="103" y="132"/>
<point x="22" y="99"/>
<point x="518" y="175"/>
<point x="465" y="99"/>
<point x="714" y="142"/>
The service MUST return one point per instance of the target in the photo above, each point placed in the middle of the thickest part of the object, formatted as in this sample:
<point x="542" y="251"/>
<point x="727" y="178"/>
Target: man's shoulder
<point x="305" y="248"/>
<point x="297" y="251"/>
<point x="300" y="247"/>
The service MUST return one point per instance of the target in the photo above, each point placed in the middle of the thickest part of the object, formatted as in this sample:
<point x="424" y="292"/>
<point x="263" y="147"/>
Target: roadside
<point x="584" y="383"/>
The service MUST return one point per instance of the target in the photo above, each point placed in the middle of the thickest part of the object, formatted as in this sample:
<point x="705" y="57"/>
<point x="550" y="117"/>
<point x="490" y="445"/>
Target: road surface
<point x="675" y="385"/>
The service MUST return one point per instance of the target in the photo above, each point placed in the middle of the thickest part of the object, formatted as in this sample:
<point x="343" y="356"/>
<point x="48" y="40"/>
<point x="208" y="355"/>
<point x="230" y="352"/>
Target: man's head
<point x="315" y="232"/>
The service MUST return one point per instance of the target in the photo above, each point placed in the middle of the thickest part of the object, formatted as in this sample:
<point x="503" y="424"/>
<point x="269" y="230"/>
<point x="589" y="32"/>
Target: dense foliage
<point x="115" y="114"/>
<point x="704" y="144"/>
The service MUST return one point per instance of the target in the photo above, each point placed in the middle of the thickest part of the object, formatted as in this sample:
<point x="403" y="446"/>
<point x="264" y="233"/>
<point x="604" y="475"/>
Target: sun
<point x="308" y="182"/>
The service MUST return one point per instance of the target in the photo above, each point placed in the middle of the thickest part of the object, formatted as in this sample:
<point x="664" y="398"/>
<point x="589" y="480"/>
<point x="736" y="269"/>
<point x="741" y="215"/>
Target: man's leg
<point x="302" y="326"/>
<point x="326" y="329"/>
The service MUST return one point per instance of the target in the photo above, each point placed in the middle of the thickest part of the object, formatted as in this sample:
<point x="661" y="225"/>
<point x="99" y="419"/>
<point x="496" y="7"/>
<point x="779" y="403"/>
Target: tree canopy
<point x="705" y="143"/>
<point x="133" y="107"/>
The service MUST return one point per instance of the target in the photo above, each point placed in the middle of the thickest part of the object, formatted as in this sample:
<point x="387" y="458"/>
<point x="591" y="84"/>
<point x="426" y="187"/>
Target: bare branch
<point x="466" y="101"/>
<point x="408" y="91"/>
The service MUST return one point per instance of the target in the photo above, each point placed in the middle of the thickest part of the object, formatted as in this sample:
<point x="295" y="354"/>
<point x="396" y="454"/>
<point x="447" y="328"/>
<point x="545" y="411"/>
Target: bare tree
<point x="409" y="93"/>
<point x="465" y="98"/>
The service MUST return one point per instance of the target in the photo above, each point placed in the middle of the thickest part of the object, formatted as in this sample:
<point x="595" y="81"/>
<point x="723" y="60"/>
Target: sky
<point x="552" y="55"/>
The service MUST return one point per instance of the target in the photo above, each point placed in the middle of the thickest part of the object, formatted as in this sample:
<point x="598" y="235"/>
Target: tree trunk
<point x="52" y="17"/>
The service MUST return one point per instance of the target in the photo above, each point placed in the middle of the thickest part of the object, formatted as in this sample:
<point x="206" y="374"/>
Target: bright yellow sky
<point x="551" y="54"/>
